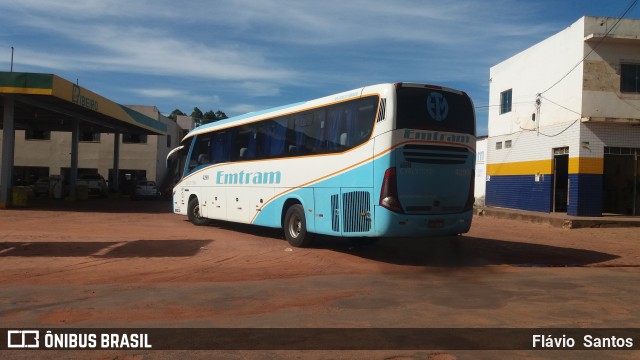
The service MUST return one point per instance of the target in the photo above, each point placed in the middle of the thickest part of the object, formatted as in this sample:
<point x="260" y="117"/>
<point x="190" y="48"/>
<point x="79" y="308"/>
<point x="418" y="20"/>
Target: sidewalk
<point x="561" y="219"/>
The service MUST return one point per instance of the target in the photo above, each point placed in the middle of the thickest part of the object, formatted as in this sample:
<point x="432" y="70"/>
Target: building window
<point x="89" y="137"/>
<point x="499" y="145"/>
<point x="480" y="156"/>
<point x="621" y="151"/>
<point x="134" y="139"/>
<point x="561" y="151"/>
<point x="630" y="78"/>
<point x="168" y="141"/>
<point x="37" y="135"/>
<point x="507" y="144"/>
<point x="505" y="102"/>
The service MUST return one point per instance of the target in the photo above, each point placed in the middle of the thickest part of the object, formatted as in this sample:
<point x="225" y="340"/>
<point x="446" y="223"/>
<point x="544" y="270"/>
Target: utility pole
<point x="12" y="59"/>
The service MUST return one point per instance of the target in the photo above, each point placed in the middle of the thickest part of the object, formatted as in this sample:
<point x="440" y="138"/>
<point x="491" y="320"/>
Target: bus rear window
<point x="432" y="109"/>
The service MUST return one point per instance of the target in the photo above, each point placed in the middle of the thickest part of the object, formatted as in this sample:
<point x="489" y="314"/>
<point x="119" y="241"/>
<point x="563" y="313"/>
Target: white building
<point x="481" y="170"/>
<point x="566" y="136"/>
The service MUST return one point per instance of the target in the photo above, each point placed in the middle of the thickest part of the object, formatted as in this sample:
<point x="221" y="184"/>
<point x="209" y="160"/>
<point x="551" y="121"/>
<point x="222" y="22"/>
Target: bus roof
<point x="284" y="109"/>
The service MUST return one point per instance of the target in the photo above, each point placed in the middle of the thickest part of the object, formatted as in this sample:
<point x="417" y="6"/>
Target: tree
<point x="174" y="114"/>
<point x="209" y="116"/>
<point x="197" y="115"/>
<point x="220" y="115"/>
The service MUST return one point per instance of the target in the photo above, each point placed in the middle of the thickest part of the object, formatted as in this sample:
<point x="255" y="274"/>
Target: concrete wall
<point x="602" y="99"/>
<point x="532" y="71"/>
<point x="481" y="171"/>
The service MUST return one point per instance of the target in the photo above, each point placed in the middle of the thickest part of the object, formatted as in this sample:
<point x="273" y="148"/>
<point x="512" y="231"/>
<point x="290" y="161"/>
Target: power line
<point x="565" y="129"/>
<point x="482" y="107"/>
<point x="564" y="107"/>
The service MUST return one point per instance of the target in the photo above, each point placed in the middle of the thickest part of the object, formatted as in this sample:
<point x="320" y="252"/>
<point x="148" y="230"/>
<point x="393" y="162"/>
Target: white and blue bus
<point x="389" y="160"/>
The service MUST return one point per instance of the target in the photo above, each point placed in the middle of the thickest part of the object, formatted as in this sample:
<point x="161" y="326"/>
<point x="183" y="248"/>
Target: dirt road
<point x="106" y="263"/>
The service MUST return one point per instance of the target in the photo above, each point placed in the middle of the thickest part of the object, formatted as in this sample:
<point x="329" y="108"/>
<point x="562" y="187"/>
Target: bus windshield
<point x="434" y="109"/>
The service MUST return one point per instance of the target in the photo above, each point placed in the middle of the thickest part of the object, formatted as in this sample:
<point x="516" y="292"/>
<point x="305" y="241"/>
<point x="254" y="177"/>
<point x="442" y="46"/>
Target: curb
<point x="567" y="222"/>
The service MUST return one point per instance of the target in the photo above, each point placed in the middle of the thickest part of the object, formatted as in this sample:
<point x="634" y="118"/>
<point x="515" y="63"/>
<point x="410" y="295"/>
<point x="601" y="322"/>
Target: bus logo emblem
<point x="437" y="106"/>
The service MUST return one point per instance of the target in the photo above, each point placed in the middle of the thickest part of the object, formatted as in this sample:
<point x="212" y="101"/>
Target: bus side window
<point x="246" y="143"/>
<point x="252" y="145"/>
<point x="200" y="152"/>
<point x="317" y="132"/>
<point x="303" y="133"/>
<point x="275" y="138"/>
<point x="333" y="130"/>
<point x="223" y="144"/>
<point x="350" y="126"/>
<point x="203" y="159"/>
<point x="365" y="118"/>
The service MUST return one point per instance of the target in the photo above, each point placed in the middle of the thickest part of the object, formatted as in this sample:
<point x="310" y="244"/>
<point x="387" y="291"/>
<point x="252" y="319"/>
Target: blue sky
<point x="246" y="55"/>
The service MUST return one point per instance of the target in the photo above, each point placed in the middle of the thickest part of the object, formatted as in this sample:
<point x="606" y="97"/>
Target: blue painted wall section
<point x="520" y="192"/>
<point x="585" y="195"/>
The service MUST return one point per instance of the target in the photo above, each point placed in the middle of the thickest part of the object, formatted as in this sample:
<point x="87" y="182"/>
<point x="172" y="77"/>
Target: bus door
<point x="175" y="163"/>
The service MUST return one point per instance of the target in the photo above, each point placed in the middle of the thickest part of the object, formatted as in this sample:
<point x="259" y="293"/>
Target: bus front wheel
<point x="295" y="227"/>
<point x="193" y="212"/>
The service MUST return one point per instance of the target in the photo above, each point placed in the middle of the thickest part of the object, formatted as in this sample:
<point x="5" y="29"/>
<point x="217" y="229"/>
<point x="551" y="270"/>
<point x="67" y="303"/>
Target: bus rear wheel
<point x="193" y="212"/>
<point x="295" y="227"/>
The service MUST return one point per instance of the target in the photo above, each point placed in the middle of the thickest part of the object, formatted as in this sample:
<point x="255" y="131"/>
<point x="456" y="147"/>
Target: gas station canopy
<point x="49" y="102"/>
<point x="46" y="102"/>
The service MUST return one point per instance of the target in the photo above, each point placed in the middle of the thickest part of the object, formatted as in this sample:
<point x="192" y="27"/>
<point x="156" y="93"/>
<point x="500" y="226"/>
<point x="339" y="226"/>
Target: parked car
<point x="146" y="189"/>
<point x="95" y="183"/>
<point x="42" y="186"/>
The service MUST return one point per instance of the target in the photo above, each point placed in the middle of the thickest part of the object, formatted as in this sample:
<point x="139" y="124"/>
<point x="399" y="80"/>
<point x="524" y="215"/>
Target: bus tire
<point x="193" y="212"/>
<point x="295" y="227"/>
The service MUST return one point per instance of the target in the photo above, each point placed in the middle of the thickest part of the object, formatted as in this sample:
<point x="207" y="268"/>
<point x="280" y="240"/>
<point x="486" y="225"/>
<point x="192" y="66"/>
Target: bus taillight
<point x="389" y="192"/>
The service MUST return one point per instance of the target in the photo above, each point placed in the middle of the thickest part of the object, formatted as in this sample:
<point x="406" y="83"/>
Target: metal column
<point x="116" y="163"/>
<point x="73" y="173"/>
<point x="8" y="143"/>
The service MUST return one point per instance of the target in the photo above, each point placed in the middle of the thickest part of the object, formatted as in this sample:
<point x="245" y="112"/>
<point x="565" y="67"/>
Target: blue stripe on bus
<point x="321" y="218"/>
<point x="270" y="215"/>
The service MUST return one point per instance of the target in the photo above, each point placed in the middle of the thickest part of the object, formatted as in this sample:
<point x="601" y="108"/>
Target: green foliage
<point x="197" y="113"/>
<point x="174" y="114"/>
<point x="199" y="117"/>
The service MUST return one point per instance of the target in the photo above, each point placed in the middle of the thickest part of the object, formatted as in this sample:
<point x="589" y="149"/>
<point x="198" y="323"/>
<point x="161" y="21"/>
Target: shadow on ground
<point x="129" y="249"/>
<point x="102" y="205"/>
<point x="459" y="251"/>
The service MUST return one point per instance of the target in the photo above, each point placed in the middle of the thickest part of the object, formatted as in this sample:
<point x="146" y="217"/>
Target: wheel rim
<point x="295" y="226"/>
<point x="196" y="211"/>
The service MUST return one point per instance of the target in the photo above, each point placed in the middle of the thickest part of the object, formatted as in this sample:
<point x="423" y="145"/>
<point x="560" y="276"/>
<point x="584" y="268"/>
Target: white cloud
<point x="257" y="89"/>
<point x="87" y="42"/>
<point x="333" y="22"/>
<point x="158" y="93"/>
<point x="242" y="109"/>
<point x="234" y="52"/>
